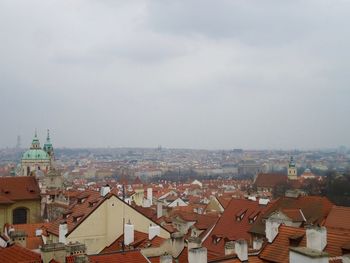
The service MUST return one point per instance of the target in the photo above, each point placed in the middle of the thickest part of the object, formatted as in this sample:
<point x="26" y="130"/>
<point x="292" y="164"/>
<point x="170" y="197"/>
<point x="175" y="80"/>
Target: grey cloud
<point x="203" y="74"/>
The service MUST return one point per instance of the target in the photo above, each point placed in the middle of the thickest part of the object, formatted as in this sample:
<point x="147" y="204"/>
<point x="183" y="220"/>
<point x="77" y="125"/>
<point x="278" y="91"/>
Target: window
<point x="19" y="216"/>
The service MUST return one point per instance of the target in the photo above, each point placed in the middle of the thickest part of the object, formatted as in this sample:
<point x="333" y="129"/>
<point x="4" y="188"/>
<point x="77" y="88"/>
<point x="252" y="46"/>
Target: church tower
<point x="48" y="146"/>
<point x="292" y="170"/>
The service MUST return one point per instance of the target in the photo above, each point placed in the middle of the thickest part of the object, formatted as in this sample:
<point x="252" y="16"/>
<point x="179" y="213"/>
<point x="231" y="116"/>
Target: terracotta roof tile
<point x="19" y="188"/>
<point x="125" y="257"/>
<point x="338" y="217"/>
<point x="270" y="180"/>
<point x="233" y="224"/>
<point x="278" y="251"/>
<point x="18" y="254"/>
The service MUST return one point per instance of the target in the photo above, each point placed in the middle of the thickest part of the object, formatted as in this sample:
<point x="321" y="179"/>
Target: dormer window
<point x="240" y="215"/>
<point x="77" y="218"/>
<point x="216" y="239"/>
<point x="66" y="215"/>
<point x="253" y="217"/>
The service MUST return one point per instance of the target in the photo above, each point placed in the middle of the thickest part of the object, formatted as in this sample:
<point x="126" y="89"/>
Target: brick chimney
<point x="19" y="237"/>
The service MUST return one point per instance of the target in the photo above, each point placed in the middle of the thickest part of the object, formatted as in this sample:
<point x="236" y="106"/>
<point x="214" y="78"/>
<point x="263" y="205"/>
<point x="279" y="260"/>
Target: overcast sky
<point x="194" y="74"/>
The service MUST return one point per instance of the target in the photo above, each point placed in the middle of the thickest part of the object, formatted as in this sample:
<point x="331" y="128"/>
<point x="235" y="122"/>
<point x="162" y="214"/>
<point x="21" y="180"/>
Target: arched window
<point x="19" y="215"/>
<point x="28" y="170"/>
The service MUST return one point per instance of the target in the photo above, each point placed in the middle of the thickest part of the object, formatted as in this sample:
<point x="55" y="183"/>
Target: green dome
<point x="35" y="154"/>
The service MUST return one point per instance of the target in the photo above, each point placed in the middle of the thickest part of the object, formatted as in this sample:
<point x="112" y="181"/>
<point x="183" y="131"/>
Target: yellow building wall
<point x="33" y="214"/>
<point x="105" y="225"/>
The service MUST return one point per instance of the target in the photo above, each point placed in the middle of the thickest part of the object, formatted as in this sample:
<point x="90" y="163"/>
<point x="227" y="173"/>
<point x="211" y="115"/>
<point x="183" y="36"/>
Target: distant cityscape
<point x="165" y="205"/>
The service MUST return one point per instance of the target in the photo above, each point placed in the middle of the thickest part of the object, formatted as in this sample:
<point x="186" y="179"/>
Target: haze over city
<point x="182" y="74"/>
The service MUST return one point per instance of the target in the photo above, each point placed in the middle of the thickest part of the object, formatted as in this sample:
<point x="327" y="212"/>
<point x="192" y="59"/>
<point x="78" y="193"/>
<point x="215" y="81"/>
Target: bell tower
<point x="292" y="170"/>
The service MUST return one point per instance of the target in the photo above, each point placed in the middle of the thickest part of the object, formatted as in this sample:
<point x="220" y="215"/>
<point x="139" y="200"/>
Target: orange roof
<point x="33" y="241"/>
<point x="84" y="204"/>
<point x="278" y="251"/>
<point x="125" y="257"/>
<point x="270" y="179"/>
<point x="234" y="224"/>
<point x="339" y="217"/>
<point x="18" y="254"/>
<point x="19" y="188"/>
<point x="140" y="241"/>
<point x="314" y="208"/>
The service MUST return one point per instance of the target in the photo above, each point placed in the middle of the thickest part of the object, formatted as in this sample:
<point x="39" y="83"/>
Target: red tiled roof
<point x="314" y="208"/>
<point x="80" y="208"/>
<point x="339" y="217"/>
<point x="33" y="241"/>
<point x="294" y="213"/>
<point x="19" y="188"/>
<point x="18" y="254"/>
<point x="270" y="180"/>
<point x="229" y="227"/>
<point x="278" y="251"/>
<point x="125" y="257"/>
<point x="140" y="241"/>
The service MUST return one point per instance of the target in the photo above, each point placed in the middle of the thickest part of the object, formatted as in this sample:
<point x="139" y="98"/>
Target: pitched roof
<point x="278" y="251"/>
<point x="270" y="179"/>
<point x="33" y="241"/>
<point x="19" y="188"/>
<point x="87" y="202"/>
<point x="339" y="217"/>
<point x="234" y="223"/>
<point x="140" y="241"/>
<point x="125" y="257"/>
<point x="314" y="208"/>
<point x="18" y="254"/>
<point x="84" y="204"/>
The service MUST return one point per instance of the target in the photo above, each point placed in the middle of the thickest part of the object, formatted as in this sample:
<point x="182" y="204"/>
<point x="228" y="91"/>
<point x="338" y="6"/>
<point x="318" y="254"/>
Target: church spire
<point x="48" y="145"/>
<point x="48" y="136"/>
<point x="35" y="142"/>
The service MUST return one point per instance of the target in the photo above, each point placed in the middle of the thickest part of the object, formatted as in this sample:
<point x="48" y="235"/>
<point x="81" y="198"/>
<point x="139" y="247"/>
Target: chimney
<point x="19" y="237"/>
<point x="105" y="190"/>
<point x="316" y="238"/>
<point x="150" y="195"/>
<point x="241" y="249"/>
<point x="166" y="259"/>
<point x="271" y="229"/>
<point x="346" y="258"/>
<point x="159" y="209"/>
<point x="257" y="243"/>
<point x="153" y="231"/>
<point x="194" y="242"/>
<point x="229" y="248"/>
<point x="62" y="231"/>
<point x="56" y="251"/>
<point x="197" y="255"/>
<point x="128" y="233"/>
<point x="177" y="244"/>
